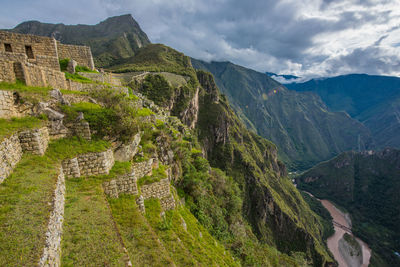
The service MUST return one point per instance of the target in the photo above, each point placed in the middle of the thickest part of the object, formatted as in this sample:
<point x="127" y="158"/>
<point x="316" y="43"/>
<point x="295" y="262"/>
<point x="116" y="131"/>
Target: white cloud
<point x="305" y="38"/>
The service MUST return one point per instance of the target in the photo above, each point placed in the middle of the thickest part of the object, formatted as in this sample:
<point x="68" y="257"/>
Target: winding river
<point x="343" y="225"/>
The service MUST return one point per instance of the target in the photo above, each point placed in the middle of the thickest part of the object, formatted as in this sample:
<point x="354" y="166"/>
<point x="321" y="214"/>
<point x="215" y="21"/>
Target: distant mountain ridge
<point x="371" y="99"/>
<point x="298" y="123"/>
<point x="111" y="40"/>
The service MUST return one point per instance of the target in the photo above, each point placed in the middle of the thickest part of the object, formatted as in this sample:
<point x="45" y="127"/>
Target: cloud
<point x="306" y="38"/>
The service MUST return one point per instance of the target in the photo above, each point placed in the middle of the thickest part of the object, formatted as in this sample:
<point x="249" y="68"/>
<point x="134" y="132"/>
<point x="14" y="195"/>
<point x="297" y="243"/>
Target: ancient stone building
<point x="35" y="59"/>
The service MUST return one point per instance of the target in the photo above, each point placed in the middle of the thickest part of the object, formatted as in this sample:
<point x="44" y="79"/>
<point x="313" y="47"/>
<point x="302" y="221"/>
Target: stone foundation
<point x="125" y="184"/>
<point x="34" y="141"/>
<point x="89" y="164"/>
<point x="10" y="155"/>
<point x="52" y="250"/>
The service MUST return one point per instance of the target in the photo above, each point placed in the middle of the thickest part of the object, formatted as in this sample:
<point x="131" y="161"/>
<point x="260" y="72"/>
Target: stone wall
<point x="168" y="203"/>
<point x="35" y="141"/>
<point x="105" y="77"/>
<point x="39" y="76"/>
<point x="125" y="184"/>
<point x="89" y="164"/>
<point x="80" y="54"/>
<point x="10" y="155"/>
<point x="144" y="168"/>
<point x="7" y="108"/>
<point x="52" y="251"/>
<point x="159" y="189"/>
<point x="87" y="87"/>
<point x="7" y="72"/>
<point x="71" y="168"/>
<point x="44" y="49"/>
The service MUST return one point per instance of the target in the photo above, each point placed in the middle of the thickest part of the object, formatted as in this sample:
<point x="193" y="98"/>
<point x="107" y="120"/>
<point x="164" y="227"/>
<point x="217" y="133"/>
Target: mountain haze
<point x="373" y="100"/>
<point x="298" y="123"/>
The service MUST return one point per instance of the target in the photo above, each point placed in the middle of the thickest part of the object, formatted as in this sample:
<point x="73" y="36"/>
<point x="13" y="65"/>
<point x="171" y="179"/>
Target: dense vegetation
<point x="367" y="186"/>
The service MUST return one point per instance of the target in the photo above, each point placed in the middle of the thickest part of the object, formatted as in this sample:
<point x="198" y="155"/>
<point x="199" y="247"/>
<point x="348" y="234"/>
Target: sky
<point x="308" y="38"/>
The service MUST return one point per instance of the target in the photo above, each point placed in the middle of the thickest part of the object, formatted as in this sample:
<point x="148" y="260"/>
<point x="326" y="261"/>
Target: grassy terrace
<point x="9" y="127"/>
<point x="139" y="237"/>
<point x="89" y="237"/>
<point x="24" y="201"/>
<point x="186" y="248"/>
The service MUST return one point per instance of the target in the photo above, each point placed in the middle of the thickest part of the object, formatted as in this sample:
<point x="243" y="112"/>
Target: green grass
<point x="77" y="78"/>
<point x="144" y="112"/>
<point x="30" y="93"/>
<point x="70" y="92"/>
<point x="24" y="198"/>
<point x="186" y="248"/>
<point x="24" y="210"/>
<point x="84" y="69"/>
<point x="89" y="235"/>
<point x="8" y="127"/>
<point x="140" y="239"/>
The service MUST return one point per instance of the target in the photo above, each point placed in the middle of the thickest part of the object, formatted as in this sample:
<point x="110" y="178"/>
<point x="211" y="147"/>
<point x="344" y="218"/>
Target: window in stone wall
<point x="8" y="47"/>
<point x="29" y="51"/>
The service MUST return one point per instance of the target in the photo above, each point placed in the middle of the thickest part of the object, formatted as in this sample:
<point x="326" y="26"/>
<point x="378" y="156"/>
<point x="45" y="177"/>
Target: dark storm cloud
<point x="306" y="38"/>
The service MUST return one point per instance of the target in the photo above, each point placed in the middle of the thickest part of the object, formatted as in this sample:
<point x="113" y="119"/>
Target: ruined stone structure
<point x="35" y="59"/>
<point x="7" y="107"/>
<point x="10" y="155"/>
<point x="52" y="251"/>
<point x="34" y="141"/>
<point x="89" y="164"/>
<point x="81" y="54"/>
<point x="80" y="128"/>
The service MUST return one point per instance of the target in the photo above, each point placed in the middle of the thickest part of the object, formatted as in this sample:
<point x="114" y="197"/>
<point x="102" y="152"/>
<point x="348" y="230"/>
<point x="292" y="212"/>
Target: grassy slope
<point x="89" y="236"/>
<point x="24" y="198"/>
<point x="9" y="127"/>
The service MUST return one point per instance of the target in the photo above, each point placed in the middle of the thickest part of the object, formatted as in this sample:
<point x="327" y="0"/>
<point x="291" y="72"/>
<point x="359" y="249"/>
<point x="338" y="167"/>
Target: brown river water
<point x="333" y="241"/>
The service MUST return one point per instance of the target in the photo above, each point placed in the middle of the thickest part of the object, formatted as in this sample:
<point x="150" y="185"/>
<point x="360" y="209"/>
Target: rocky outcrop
<point x="126" y="152"/>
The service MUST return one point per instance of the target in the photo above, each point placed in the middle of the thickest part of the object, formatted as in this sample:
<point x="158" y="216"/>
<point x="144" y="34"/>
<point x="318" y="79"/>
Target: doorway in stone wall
<point x="8" y="47"/>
